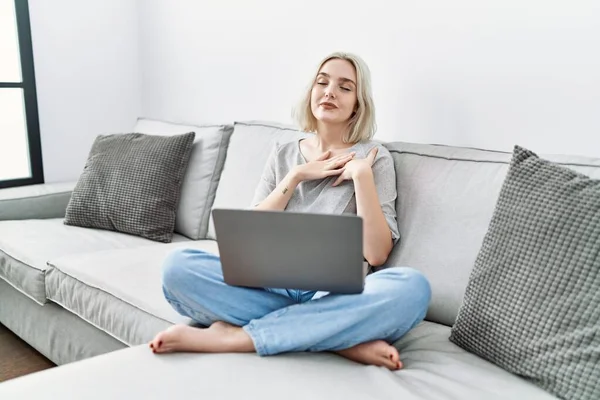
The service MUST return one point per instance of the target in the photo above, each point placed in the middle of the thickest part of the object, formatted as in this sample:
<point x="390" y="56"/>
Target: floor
<point x="17" y="358"/>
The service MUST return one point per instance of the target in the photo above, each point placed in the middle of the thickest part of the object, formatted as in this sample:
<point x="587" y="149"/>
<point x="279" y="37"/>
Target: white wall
<point x="477" y="73"/>
<point x="87" y="76"/>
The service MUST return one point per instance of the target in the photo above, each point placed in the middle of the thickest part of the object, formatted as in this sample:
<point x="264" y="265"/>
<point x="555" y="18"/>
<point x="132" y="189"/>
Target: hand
<point x="322" y="167"/>
<point x="355" y="167"/>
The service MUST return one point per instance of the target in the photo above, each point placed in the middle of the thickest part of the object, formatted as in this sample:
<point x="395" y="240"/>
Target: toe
<point x="389" y="364"/>
<point x="157" y="342"/>
<point x="163" y="349"/>
<point x="153" y="344"/>
<point x="393" y="354"/>
<point x="393" y="357"/>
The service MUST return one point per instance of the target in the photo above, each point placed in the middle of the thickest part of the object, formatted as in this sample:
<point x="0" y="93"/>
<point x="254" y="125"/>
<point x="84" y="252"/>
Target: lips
<point x="328" y="105"/>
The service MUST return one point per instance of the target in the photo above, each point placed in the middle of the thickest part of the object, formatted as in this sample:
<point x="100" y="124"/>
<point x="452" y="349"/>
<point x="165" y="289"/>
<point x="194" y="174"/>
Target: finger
<point x="337" y="164"/>
<point x="330" y="165"/>
<point x="372" y="155"/>
<point x="324" y="156"/>
<point x="343" y="161"/>
<point x="343" y="156"/>
<point x="339" y="180"/>
<point x="348" y="155"/>
<point x="334" y="172"/>
<point x="338" y="161"/>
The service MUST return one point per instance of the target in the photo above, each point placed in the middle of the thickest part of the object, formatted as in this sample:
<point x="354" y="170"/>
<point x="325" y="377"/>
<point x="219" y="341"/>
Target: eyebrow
<point x="341" y="79"/>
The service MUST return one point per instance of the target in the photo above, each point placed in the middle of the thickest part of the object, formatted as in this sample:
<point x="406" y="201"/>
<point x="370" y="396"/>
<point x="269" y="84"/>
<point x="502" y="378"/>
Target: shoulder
<point x="279" y="150"/>
<point x="285" y="149"/>
<point x="383" y="167"/>
<point x="383" y="154"/>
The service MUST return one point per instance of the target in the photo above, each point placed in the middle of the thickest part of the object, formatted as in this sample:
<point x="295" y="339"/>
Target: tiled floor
<point x="17" y="358"/>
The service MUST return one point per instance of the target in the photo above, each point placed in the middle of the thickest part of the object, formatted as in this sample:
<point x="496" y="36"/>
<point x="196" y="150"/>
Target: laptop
<point x="281" y="249"/>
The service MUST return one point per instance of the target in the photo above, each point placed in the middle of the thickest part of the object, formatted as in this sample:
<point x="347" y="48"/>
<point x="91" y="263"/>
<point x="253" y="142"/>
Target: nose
<point x="329" y="91"/>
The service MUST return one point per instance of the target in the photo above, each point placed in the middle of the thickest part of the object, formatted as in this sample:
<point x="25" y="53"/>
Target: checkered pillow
<point x="532" y="304"/>
<point x="131" y="183"/>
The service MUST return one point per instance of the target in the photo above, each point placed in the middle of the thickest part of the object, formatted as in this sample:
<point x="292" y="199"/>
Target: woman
<point x="337" y="170"/>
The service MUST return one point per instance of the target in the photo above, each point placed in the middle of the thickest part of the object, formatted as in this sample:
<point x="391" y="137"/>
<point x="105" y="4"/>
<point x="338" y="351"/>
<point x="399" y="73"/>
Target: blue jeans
<point x="281" y="320"/>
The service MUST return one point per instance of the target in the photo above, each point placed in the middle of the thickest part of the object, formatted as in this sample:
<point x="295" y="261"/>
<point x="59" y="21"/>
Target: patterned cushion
<point x="532" y="304"/>
<point x="131" y="183"/>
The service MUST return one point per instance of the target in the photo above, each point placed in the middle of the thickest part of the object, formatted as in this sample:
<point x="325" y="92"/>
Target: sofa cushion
<point x="248" y="152"/>
<point x="131" y="183"/>
<point x="118" y="291"/>
<point x="435" y="369"/>
<point x="59" y="335"/>
<point x="26" y="245"/>
<point x="446" y="197"/>
<point x="202" y="175"/>
<point x="532" y="304"/>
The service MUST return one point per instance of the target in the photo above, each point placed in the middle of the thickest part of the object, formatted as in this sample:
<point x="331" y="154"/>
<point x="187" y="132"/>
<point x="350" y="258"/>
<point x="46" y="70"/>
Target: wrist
<point x="293" y="177"/>
<point x="362" y="173"/>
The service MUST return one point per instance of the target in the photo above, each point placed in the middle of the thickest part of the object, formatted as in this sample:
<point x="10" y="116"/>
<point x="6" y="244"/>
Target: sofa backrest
<point x="247" y="153"/>
<point x="202" y="174"/>
<point x="446" y="198"/>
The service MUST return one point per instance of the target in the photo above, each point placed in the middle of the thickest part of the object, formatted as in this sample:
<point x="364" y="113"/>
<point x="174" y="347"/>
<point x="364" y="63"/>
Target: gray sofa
<point x="75" y="293"/>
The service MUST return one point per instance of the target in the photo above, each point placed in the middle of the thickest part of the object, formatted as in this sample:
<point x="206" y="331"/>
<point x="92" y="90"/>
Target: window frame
<point x="27" y="84"/>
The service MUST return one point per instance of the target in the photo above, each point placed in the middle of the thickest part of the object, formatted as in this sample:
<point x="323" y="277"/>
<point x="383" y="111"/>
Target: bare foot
<point x="221" y="337"/>
<point x="377" y="352"/>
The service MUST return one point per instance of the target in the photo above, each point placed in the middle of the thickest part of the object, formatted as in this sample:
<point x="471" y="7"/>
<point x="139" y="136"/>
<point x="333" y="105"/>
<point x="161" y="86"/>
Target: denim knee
<point x="174" y="270"/>
<point x="412" y="284"/>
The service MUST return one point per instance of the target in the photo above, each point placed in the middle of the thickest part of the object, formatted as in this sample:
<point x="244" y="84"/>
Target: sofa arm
<point x="47" y="200"/>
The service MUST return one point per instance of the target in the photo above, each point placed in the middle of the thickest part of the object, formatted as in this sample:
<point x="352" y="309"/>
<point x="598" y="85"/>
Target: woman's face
<point x="333" y="97"/>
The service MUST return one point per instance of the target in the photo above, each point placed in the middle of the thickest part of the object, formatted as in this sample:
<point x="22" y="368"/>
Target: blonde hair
<point x="361" y="125"/>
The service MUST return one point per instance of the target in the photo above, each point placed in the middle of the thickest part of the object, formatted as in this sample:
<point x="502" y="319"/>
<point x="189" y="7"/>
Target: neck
<point x="330" y="137"/>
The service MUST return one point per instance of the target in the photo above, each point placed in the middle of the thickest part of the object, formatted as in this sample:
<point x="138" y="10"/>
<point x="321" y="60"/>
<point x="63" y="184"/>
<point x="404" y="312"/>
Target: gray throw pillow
<point x="532" y="304"/>
<point x="131" y="183"/>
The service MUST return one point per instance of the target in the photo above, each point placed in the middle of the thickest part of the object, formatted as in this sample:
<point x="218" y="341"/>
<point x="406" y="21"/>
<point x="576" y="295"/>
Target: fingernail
<point x="151" y="346"/>
<point x="160" y="343"/>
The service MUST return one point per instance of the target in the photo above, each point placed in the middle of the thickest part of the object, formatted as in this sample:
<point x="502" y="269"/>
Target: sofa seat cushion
<point x="118" y="291"/>
<point x="438" y="369"/>
<point x="435" y="369"/>
<point x="26" y="246"/>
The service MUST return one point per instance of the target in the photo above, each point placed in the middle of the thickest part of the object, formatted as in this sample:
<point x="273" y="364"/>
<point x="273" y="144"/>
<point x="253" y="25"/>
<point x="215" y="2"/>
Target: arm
<point x="281" y="195"/>
<point x="377" y="237"/>
<point x="375" y="193"/>
<point x="39" y="201"/>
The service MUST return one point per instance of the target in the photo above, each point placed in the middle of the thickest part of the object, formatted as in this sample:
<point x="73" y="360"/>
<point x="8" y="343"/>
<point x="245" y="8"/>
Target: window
<point x="20" y="149"/>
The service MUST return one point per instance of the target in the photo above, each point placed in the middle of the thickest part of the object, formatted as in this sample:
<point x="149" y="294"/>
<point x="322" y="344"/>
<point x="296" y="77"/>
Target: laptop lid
<point x="281" y="249"/>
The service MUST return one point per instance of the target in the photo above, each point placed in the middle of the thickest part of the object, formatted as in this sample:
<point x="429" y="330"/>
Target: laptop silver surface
<point x="280" y="249"/>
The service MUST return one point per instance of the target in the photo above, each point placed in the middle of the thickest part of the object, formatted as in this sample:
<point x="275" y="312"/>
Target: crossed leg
<point x="359" y="327"/>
